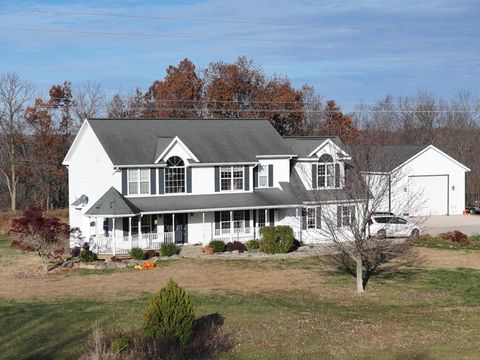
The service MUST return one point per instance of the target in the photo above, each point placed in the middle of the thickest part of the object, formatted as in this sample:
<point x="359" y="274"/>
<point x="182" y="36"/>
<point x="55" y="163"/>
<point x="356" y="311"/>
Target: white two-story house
<point x="142" y="182"/>
<point x="139" y="183"/>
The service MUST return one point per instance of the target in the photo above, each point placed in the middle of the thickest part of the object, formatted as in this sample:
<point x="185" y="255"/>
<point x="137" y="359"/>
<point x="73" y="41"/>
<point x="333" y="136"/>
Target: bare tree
<point x="343" y="220"/>
<point x="90" y="101"/>
<point x="14" y="95"/>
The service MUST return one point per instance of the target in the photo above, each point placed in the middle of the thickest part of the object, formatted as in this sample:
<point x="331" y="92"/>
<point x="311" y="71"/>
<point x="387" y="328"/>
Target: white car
<point x="386" y="225"/>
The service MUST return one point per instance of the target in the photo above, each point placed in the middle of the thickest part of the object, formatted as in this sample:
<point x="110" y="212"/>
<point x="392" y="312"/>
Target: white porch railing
<point x="236" y="234"/>
<point x="115" y="245"/>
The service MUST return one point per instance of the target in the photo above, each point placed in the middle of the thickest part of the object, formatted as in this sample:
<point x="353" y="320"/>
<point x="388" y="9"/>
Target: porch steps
<point x="191" y="251"/>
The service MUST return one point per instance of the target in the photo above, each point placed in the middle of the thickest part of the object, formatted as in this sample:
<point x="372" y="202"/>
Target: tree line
<point x="36" y="132"/>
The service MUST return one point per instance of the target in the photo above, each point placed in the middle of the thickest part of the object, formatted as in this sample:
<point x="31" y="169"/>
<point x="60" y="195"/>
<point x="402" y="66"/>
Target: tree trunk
<point x="358" y="260"/>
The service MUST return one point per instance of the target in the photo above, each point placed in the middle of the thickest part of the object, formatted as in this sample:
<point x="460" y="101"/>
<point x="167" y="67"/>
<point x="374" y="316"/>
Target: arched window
<point x="175" y="175"/>
<point x="326" y="171"/>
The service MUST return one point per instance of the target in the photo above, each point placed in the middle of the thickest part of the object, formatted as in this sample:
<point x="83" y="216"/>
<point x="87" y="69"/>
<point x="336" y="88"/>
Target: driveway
<point x="468" y="224"/>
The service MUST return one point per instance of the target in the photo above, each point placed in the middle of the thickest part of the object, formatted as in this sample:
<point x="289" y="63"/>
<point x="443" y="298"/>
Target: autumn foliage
<point x="44" y="235"/>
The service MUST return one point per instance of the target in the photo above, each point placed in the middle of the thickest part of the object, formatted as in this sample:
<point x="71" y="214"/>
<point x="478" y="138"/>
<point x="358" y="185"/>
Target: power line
<point x="240" y="22"/>
<point x="263" y="40"/>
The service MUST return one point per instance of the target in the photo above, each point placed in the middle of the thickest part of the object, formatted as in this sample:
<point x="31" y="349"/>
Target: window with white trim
<point x="231" y="178"/>
<point x="146" y="224"/>
<point x="345" y="215"/>
<point x="175" y="175"/>
<point x="326" y="172"/>
<point x="239" y="223"/>
<point x="138" y="181"/>
<point x="312" y="218"/>
<point x="262" y="175"/>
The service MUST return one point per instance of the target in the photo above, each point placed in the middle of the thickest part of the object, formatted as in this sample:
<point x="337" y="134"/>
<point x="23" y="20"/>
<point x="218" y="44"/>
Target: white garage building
<point x="425" y="181"/>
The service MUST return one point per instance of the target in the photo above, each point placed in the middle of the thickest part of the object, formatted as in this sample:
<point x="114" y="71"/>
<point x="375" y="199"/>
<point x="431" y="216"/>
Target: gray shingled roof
<point x="302" y="146"/>
<point x="389" y="156"/>
<point x="136" y="142"/>
<point x="112" y="203"/>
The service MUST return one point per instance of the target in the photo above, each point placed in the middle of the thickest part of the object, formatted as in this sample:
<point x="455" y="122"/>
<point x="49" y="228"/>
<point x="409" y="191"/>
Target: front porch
<point x="118" y="235"/>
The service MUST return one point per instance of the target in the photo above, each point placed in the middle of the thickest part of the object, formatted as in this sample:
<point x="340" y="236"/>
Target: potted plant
<point x="208" y="250"/>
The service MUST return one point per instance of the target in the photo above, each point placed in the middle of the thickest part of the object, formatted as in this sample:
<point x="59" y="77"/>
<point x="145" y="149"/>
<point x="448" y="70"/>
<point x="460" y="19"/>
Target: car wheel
<point x="415" y="233"/>
<point x="381" y="234"/>
<point x="472" y="212"/>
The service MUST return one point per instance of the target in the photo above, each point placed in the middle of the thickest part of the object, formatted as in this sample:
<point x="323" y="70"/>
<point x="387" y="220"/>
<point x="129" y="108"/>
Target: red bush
<point x="236" y="245"/>
<point x="456" y="237"/>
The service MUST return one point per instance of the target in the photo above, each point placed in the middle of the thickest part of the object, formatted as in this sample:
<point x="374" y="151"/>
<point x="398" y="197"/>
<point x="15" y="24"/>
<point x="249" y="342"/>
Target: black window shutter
<point x="247" y="218"/>
<point x="124" y="182"/>
<point x="217" y="220"/>
<point x="189" y="179"/>
<point x="304" y="218"/>
<point x="246" y="175"/>
<point x="161" y="181"/>
<point x="125" y="226"/>
<point x="352" y="214"/>
<point x="339" y="216"/>
<point x="271" y="217"/>
<point x="255" y="176"/>
<point x="318" y="214"/>
<point x="337" y="175"/>
<point x="254" y="215"/>
<point x="314" y="176"/>
<point x="270" y="175"/>
<point x="153" y="181"/>
<point x="217" y="178"/>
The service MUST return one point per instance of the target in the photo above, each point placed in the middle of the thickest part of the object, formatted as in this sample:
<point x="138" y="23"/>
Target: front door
<point x="179" y="228"/>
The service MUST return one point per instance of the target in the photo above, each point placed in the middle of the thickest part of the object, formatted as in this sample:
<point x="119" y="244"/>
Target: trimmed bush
<point x="236" y="245"/>
<point x="120" y="344"/>
<point x="169" y="315"/>
<point x="136" y="253"/>
<point x="276" y="239"/>
<point x="88" y="256"/>
<point x="217" y="245"/>
<point x="252" y="244"/>
<point x="169" y="249"/>
<point x="455" y="237"/>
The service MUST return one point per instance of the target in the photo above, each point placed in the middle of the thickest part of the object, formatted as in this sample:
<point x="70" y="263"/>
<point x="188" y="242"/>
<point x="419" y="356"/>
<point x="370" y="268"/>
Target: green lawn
<point x="417" y="314"/>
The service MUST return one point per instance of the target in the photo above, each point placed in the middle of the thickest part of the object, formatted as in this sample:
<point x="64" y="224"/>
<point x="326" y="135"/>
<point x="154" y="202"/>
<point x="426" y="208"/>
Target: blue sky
<point x="348" y="50"/>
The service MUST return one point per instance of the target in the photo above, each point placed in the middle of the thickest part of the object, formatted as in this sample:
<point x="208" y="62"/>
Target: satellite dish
<point x="84" y="199"/>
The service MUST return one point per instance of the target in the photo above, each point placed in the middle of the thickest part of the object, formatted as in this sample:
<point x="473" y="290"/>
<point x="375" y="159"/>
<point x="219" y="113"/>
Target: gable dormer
<point x="327" y="168"/>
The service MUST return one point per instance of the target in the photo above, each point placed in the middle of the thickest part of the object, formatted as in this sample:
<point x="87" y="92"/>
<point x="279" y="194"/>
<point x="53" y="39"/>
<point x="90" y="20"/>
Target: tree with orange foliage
<point x="180" y="89"/>
<point x="338" y="124"/>
<point x="52" y="135"/>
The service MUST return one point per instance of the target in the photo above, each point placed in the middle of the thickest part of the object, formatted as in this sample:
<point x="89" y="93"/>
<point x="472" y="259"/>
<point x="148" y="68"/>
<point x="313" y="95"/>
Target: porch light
<point x="405" y="189"/>
<point x="453" y="187"/>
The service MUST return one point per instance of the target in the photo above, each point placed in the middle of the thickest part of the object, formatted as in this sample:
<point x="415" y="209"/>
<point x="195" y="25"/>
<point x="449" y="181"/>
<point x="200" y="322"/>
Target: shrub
<point x="150" y="254"/>
<point x="120" y="344"/>
<point x="88" y="256"/>
<point x="456" y="237"/>
<point x="169" y="249"/>
<point x="276" y="239"/>
<point x="169" y="314"/>
<point x="75" y="252"/>
<point x="236" y="245"/>
<point x="136" y="253"/>
<point x="217" y="245"/>
<point x="252" y="244"/>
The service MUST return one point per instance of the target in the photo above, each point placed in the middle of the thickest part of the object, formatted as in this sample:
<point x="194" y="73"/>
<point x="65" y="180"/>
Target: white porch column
<point x="300" y="222"/>
<point x="231" y="225"/>
<point x="173" y="227"/>
<point x="267" y="219"/>
<point x="140" y="231"/>
<point x="130" y="231"/>
<point x="114" y="238"/>
<point x="96" y="227"/>
<point x="203" y="226"/>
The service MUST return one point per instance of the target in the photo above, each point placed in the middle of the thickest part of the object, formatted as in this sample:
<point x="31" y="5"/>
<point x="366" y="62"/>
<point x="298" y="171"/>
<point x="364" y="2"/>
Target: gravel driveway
<point x="468" y="224"/>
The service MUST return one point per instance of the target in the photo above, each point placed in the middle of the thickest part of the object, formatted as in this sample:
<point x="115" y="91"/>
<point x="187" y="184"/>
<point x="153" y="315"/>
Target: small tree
<point x="45" y="235"/>
<point x="169" y="314"/>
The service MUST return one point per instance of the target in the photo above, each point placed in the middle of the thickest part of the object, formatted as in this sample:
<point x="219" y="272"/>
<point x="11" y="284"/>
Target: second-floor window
<point x="138" y="181"/>
<point x="262" y="175"/>
<point x="175" y="175"/>
<point x="231" y="178"/>
<point x="326" y="172"/>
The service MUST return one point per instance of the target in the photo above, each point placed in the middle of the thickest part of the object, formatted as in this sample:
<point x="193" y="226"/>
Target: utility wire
<point x="240" y="22"/>
<point x="263" y="40"/>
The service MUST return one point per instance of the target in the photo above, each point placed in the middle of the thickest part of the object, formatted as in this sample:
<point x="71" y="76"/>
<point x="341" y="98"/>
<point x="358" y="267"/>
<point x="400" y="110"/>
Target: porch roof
<point x="114" y="204"/>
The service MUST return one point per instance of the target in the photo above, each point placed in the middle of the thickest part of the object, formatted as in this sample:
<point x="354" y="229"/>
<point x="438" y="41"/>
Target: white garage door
<point x="428" y="195"/>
